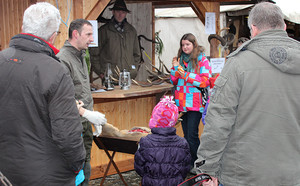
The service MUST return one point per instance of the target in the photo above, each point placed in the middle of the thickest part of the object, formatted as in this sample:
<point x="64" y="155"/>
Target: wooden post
<point x="200" y="8"/>
<point x="153" y="34"/>
<point x="97" y="9"/>
<point x="214" y="7"/>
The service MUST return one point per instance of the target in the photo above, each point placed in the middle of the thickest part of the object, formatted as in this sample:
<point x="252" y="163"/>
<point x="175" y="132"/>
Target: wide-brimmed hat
<point x="120" y="5"/>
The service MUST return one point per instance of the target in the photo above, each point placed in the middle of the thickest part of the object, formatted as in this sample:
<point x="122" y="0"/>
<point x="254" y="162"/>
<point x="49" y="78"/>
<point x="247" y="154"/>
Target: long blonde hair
<point x="197" y="49"/>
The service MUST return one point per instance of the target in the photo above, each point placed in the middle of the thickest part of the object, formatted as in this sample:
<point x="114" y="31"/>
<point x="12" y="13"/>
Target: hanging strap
<point x="204" y="93"/>
<point x="196" y="180"/>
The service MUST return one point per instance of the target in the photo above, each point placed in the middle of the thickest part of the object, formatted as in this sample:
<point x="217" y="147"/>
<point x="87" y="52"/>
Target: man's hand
<point x="80" y="104"/>
<point x="98" y="130"/>
<point x="212" y="182"/>
<point x="95" y="117"/>
<point x="98" y="119"/>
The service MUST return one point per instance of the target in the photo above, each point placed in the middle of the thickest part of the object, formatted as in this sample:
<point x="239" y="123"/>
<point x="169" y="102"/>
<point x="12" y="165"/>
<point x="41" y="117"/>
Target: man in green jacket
<point x="118" y="44"/>
<point x="72" y="56"/>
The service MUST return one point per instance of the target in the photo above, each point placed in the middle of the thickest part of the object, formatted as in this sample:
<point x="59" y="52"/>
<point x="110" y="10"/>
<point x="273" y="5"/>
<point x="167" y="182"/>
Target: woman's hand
<point x="175" y="61"/>
<point x="181" y="71"/>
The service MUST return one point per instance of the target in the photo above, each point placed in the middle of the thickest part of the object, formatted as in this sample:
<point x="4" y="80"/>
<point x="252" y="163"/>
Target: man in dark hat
<point x="120" y="5"/>
<point x="117" y="45"/>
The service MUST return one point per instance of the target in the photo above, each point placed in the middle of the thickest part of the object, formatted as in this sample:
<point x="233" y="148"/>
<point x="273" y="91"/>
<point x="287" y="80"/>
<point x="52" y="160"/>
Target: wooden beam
<point x="97" y="9"/>
<point x="199" y="10"/>
<point x="78" y="9"/>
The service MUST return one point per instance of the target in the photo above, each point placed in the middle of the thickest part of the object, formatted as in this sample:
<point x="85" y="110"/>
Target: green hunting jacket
<point x="74" y="61"/>
<point x="121" y="49"/>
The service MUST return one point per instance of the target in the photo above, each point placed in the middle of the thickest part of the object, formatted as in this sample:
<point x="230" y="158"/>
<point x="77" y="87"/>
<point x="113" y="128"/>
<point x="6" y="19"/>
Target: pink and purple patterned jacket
<point x="187" y="96"/>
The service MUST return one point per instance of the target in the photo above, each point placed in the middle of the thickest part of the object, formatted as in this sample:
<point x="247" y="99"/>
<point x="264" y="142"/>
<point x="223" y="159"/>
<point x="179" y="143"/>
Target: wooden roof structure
<point x="199" y="6"/>
<point x="12" y="12"/>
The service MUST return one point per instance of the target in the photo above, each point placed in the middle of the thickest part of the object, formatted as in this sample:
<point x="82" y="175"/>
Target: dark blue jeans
<point x="190" y="126"/>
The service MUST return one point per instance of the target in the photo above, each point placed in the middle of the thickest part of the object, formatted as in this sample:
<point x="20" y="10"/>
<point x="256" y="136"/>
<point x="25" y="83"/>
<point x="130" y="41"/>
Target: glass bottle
<point x="107" y="76"/>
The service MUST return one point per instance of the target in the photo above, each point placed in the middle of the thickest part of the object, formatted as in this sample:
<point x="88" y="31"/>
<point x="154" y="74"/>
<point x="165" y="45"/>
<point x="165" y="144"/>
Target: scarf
<point x="119" y="26"/>
<point x="186" y="63"/>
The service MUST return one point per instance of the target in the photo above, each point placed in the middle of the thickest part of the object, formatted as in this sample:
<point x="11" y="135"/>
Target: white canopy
<point x="189" y="12"/>
<point x="290" y="9"/>
<point x="175" y="12"/>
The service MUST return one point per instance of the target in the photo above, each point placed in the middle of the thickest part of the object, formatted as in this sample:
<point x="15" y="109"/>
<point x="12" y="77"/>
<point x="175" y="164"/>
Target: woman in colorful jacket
<point x="191" y="71"/>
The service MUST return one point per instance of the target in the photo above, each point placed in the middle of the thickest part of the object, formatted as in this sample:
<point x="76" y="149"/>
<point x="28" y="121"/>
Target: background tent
<point x="172" y="24"/>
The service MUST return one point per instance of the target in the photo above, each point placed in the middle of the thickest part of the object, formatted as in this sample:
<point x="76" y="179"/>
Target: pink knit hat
<point x="164" y="114"/>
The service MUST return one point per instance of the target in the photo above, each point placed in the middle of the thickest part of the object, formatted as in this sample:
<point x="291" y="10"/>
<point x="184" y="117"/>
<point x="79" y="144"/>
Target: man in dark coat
<point x="118" y="44"/>
<point x="40" y="129"/>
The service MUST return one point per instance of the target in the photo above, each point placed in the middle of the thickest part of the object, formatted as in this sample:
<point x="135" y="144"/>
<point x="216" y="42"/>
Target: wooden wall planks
<point x="11" y="12"/>
<point x="11" y="19"/>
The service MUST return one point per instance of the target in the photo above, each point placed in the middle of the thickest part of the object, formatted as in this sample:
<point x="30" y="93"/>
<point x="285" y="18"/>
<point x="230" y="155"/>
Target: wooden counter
<point x="134" y="91"/>
<point x="124" y="109"/>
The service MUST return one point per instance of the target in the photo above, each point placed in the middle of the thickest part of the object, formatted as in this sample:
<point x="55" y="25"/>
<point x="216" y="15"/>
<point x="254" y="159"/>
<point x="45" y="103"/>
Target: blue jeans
<point x="190" y="126"/>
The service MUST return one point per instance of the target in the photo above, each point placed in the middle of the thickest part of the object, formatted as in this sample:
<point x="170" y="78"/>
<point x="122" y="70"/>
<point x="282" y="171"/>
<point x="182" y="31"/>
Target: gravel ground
<point x="131" y="178"/>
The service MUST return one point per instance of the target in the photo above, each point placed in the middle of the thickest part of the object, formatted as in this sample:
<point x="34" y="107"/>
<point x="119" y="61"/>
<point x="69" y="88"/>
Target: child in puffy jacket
<point x="163" y="158"/>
